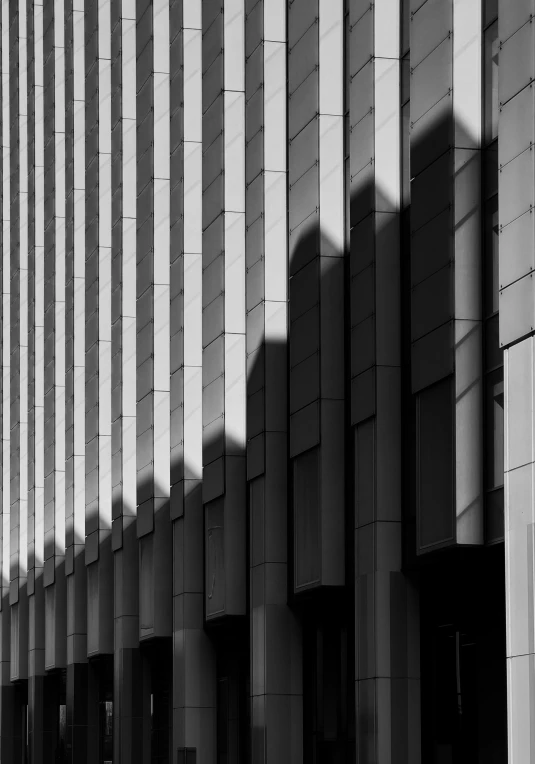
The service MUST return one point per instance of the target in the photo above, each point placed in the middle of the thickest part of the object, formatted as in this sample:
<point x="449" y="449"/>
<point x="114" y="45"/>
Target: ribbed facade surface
<point x="268" y="382"/>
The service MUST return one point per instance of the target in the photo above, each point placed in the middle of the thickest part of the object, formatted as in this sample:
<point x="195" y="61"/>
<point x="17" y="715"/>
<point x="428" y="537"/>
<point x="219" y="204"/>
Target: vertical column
<point x="19" y="353"/>
<point x="446" y="288"/>
<point x="6" y="688"/>
<point x="274" y="632"/>
<point x="223" y="295"/>
<point x="128" y="731"/>
<point x="54" y="493"/>
<point x="76" y="695"/>
<point x="98" y="447"/>
<point x="194" y="680"/>
<point x="386" y="623"/>
<point x="516" y="191"/>
<point x="36" y="622"/>
<point x="152" y="317"/>
<point x="316" y="236"/>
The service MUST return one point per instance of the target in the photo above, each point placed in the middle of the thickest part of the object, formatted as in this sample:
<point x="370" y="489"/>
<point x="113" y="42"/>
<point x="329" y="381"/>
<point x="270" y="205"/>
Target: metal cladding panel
<point x="426" y="206"/>
<point x="432" y="134"/>
<point x="517" y="239"/>
<point x="361" y="50"/>
<point x="517" y="310"/>
<point x="303" y="57"/>
<point x="512" y="18"/>
<point x="517" y="62"/>
<point x="432" y="303"/>
<point x="517" y="126"/>
<point x="432" y="79"/>
<point x="432" y="357"/>
<point x="432" y="247"/>
<point x="436" y="18"/>
<point x="517" y="176"/>
<point x="301" y="16"/>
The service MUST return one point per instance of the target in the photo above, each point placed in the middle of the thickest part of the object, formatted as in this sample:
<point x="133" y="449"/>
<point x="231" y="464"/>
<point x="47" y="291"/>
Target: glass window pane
<point x="491" y="82"/>
<point x="492" y="283"/>
<point x="495" y="432"/>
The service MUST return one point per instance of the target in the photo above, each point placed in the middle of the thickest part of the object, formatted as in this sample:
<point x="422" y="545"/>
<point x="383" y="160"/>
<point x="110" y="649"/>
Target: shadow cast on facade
<point x="166" y="618"/>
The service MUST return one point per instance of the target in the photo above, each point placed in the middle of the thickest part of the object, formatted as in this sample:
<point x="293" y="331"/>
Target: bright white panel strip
<point x="234" y="45"/>
<point x="275" y="22"/>
<point x="192" y="85"/>
<point x="104" y="266"/>
<point x="192" y="257"/>
<point x="59" y="302"/>
<point x="23" y="294"/>
<point x="467" y="59"/>
<point x="234" y="120"/>
<point x="162" y="228"/>
<point x="387" y="131"/>
<point x="331" y="57"/>
<point x="161" y="37"/>
<point x="192" y="310"/>
<point x="128" y="286"/>
<point x="234" y="205"/>
<point x="275" y="164"/>
<point x="331" y="130"/>
<point x="331" y="153"/>
<point x="386" y="28"/>
<point x="234" y="273"/>
<point x="275" y="237"/>
<point x="6" y="249"/>
<point x="275" y="143"/>
<point x="193" y="197"/>
<point x="78" y="31"/>
<point x="39" y="286"/>
<point x="235" y="393"/>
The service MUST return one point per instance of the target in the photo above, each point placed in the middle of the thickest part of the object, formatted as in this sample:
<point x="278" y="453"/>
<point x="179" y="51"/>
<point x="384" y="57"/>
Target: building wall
<point x="252" y="389"/>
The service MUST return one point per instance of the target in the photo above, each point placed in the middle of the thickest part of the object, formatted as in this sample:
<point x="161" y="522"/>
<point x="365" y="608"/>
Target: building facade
<point x="268" y="382"/>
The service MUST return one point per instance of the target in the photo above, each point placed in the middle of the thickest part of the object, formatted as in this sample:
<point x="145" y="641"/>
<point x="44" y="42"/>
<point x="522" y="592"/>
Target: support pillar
<point x="386" y="615"/>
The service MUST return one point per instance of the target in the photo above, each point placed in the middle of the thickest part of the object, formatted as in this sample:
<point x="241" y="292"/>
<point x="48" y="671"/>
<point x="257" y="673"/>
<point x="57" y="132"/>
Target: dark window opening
<point x="463" y="673"/>
<point x="328" y="683"/>
<point x="233" y="692"/>
<point x="159" y="657"/>
<point x="55" y="718"/>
